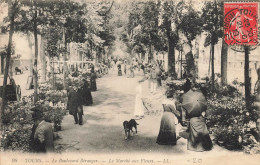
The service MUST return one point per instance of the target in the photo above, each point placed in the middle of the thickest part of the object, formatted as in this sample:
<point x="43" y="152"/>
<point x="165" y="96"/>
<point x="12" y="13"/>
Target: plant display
<point x="16" y="128"/>
<point x="230" y="121"/>
<point x="17" y="121"/>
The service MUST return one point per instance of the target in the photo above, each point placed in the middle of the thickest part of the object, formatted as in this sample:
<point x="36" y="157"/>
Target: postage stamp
<point x="240" y="23"/>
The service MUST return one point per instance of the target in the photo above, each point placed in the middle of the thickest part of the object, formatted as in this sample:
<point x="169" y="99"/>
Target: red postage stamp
<point x="240" y="23"/>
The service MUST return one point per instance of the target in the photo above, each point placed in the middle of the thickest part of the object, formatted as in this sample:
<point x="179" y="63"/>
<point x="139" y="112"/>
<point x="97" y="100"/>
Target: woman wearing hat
<point x="167" y="134"/>
<point x="42" y="133"/>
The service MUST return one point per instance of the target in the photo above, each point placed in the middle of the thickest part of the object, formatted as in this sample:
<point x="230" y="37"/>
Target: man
<point x="74" y="105"/>
<point x="42" y="133"/>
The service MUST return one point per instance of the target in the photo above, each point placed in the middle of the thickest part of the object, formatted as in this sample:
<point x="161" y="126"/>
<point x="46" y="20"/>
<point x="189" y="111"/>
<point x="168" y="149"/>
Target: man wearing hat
<point x="74" y="105"/>
<point x="42" y="133"/>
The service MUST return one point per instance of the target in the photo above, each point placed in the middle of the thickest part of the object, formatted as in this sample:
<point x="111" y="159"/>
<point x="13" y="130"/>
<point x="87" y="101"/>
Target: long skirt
<point x="88" y="98"/>
<point x="159" y="82"/>
<point x="139" y="107"/>
<point x="93" y="85"/>
<point x="167" y="134"/>
<point x="198" y="139"/>
<point x="120" y="72"/>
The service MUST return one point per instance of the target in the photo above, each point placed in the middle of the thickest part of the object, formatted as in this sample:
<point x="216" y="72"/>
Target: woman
<point x="93" y="84"/>
<point x="125" y="67"/>
<point x="119" y="70"/>
<point x="199" y="139"/>
<point x="167" y="134"/>
<point x="86" y="93"/>
<point x="139" y="107"/>
<point x="158" y="75"/>
<point x="132" y="74"/>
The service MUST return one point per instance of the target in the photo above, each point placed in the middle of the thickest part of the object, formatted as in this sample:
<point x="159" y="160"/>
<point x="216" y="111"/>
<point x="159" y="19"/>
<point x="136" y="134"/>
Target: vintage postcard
<point x="97" y="82"/>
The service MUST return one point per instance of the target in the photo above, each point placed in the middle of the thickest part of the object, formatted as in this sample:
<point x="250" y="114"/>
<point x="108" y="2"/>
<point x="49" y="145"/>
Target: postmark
<point x="241" y="25"/>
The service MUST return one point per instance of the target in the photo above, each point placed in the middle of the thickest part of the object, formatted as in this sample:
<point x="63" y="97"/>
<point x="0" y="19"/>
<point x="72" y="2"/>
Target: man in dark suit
<point x="74" y="105"/>
<point x="42" y="133"/>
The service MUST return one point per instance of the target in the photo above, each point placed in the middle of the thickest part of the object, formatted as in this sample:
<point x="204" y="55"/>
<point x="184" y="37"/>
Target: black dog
<point x="18" y="70"/>
<point x="133" y="123"/>
<point x="128" y="126"/>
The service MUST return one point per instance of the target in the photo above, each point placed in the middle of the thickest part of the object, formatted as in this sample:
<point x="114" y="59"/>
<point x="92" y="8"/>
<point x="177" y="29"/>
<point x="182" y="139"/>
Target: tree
<point x="131" y="34"/>
<point x="213" y="21"/>
<point x="13" y="9"/>
<point x="149" y="26"/>
<point x="190" y="26"/>
<point x="224" y="58"/>
<point x="246" y="76"/>
<point x="169" y="27"/>
<point x="107" y="34"/>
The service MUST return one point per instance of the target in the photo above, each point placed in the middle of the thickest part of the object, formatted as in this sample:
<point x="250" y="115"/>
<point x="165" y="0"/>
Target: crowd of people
<point x="177" y="109"/>
<point x="191" y="107"/>
<point x="41" y="140"/>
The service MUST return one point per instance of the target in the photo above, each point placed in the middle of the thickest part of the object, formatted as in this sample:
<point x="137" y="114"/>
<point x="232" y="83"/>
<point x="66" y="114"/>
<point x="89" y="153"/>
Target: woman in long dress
<point x="199" y="139"/>
<point x="93" y="84"/>
<point x="139" y="107"/>
<point x="86" y="93"/>
<point x="119" y="70"/>
<point x="167" y="134"/>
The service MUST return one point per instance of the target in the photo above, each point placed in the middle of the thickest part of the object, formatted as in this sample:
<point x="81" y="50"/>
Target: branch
<point x="109" y="8"/>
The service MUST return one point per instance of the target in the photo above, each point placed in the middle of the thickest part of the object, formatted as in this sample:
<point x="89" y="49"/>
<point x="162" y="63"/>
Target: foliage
<point x="190" y="22"/>
<point x="228" y="118"/>
<point x="212" y="18"/>
<point x="16" y="128"/>
<point x="4" y="52"/>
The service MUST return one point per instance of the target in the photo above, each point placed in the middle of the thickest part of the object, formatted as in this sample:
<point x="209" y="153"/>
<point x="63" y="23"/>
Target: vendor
<point x="41" y="140"/>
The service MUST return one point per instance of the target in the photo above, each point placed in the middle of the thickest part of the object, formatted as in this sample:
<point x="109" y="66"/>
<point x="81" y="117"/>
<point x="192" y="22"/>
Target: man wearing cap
<point x="42" y="133"/>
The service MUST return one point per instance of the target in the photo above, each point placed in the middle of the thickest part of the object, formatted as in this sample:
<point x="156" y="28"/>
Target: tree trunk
<point x="52" y="74"/>
<point x="247" y="78"/>
<point x="212" y="67"/>
<point x="2" y="64"/>
<point x="35" y="72"/>
<point x="171" y="57"/>
<point x="224" y="54"/>
<point x="65" y="67"/>
<point x="11" y="67"/>
<point x="43" y="60"/>
<point x="190" y="68"/>
<point x="8" y="55"/>
<point x="150" y="56"/>
<point x="31" y="53"/>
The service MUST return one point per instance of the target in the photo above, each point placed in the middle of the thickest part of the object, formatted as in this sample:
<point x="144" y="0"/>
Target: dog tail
<point x="137" y="124"/>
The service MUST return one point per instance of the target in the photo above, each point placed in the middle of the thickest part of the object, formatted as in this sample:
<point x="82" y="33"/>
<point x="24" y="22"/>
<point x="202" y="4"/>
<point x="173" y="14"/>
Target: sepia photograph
<point x="129" y="82"/>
